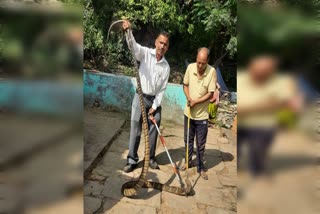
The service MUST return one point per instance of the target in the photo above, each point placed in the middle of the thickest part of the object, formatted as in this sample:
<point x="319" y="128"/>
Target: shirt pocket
<point x="203" y="87"/>
<point x="158" y="78"/>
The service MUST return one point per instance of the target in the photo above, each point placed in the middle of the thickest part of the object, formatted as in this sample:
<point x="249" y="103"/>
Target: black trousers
<point x="259" y="141"/>
<point x="198" y="129"/>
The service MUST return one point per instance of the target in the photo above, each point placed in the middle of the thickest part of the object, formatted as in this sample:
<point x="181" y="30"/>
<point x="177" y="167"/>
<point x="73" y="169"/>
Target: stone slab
<point x="99" y="129"/>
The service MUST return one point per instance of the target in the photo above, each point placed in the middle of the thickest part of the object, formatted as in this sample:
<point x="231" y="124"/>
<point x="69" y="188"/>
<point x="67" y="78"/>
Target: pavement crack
<point x="18" y="159"/>
<point x="100" y="209"/>
<point x="95" y="162"/>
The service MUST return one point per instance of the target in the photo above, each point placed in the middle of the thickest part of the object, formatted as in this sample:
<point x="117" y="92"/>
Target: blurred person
<point x="262" y="92"/>
<point x="213" y="105"/>
<point x="154" y="70"/>
<point x="199" y="85"/>
<point x="216" y="95"/>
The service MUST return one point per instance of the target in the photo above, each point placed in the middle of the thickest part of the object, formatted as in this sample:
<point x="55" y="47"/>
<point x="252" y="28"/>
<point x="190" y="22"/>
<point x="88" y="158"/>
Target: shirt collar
<point x="153" y="52"/>
<point x="195" y="71"/>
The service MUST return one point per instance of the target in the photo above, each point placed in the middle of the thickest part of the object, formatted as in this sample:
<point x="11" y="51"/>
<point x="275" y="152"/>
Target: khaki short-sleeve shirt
<point x="198" y="87"/>
<point x="278" y="87"/>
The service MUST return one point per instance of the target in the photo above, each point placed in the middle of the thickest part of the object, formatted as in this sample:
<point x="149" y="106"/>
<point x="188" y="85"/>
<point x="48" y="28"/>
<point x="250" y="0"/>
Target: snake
<point x="130" y="188"/>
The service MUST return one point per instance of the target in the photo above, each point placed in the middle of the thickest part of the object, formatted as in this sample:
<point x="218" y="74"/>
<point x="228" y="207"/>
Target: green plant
<point x="117" y="52"/>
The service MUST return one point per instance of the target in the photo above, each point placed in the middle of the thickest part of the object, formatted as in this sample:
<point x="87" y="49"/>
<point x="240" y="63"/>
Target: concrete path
<point x="100" y="129"/>
<point x="216" y="195"/>
<point x="293" y="184"/>
<point x="41" y="164"/>
<point x="21" y="136"/>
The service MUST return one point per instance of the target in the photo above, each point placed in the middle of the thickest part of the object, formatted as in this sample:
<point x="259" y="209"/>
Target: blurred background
<point x="41" y="60"/>
<point x="278" y="126"/>
<point x="41" y="106"/>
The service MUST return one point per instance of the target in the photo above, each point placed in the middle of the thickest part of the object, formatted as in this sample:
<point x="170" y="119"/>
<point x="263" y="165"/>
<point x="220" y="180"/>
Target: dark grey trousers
<point x="259" y="141"/>
<point x="136" y="128"/>
<point x="198" y="130"/>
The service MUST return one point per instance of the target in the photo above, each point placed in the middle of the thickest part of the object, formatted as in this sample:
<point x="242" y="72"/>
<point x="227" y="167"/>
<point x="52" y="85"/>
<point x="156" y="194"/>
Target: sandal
<point x="184" y="167"/>
<point x="204" y="175"/>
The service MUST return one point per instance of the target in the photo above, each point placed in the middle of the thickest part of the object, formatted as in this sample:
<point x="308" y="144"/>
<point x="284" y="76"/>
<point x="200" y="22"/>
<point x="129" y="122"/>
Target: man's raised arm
<point x="139" y="51"/>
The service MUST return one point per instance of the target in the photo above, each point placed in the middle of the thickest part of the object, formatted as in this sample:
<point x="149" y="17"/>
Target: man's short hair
<point x="204" y="48"/>
<point x="164" y="33"/>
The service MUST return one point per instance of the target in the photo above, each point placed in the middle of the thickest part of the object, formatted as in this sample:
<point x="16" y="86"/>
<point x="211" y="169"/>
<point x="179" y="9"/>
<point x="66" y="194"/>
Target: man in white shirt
<point x="154" y="74"/>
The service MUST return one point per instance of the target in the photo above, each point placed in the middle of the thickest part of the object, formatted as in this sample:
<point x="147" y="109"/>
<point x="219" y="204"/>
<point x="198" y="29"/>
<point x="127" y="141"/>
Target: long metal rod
<point x="175" y="168"/>
<point x="165" y="147"/>
<point x="188" y="133"/>
<point x="187" y="149"/>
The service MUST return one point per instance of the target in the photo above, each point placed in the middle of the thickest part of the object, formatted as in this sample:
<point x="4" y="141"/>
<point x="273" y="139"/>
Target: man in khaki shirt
<point x="262" y="92"/>
<point x="199" y="83"/>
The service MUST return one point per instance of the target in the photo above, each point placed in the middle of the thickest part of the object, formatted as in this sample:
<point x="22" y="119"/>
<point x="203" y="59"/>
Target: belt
<point x="149" y="97"/>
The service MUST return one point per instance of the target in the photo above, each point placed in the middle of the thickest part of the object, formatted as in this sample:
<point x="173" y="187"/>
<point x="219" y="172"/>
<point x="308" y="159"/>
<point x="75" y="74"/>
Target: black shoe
<point x="153" y="164"/>
<point x="129" y="167"/>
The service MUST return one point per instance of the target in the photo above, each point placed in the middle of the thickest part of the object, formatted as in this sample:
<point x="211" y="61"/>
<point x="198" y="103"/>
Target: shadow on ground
<point x="282" y="163"/>
<point x="212" y="157"/>
<point x="102" y="189"/>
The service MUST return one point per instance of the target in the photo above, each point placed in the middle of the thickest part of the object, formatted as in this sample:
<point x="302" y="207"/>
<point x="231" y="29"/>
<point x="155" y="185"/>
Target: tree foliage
<point x="283" y="31"/>
<point x="191" y="23"/>
<point x="36" y="39"/>
<point x="157" y="13"/>
<point x="289" y="31"/>
<point x="217" y="18"/>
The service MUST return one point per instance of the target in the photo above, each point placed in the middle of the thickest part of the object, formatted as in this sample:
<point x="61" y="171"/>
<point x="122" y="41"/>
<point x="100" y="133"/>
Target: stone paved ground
<point x="41" y="165"/>
<point x="99" y="133"/>
<point x="102" y="186"/>
<point x="293" y="185"/>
